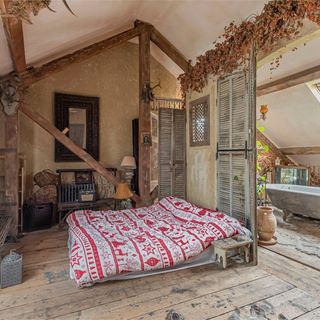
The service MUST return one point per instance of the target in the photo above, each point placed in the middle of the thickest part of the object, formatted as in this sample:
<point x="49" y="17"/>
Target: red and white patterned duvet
<point x="105" y="243"/>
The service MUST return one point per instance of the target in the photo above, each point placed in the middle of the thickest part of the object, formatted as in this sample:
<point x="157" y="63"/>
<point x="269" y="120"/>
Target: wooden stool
<point x="238" y="242"/>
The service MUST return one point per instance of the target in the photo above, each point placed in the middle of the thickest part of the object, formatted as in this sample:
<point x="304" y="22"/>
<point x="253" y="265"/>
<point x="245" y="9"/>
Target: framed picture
<point x="78" y="116"/>
<point x="146" y="139"/>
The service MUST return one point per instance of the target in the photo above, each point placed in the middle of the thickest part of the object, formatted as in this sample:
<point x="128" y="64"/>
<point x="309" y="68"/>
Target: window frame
<point x="193" y="104"/>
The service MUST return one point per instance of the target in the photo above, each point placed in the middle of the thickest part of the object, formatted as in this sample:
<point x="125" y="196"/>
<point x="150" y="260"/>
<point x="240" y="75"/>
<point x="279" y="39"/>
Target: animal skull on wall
<point x="9" y="95"/>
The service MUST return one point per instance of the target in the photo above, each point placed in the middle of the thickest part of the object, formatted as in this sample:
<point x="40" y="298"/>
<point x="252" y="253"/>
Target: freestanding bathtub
<point x="295" y="199"/>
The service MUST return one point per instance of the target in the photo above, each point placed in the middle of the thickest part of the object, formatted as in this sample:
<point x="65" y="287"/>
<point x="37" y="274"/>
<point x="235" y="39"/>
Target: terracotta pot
<point x="267" y="223"/>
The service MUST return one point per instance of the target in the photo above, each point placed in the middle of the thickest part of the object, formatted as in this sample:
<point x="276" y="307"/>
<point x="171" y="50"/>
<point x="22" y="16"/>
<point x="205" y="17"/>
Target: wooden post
<point x="12" y="171"/>
<point x="144" y="115"/>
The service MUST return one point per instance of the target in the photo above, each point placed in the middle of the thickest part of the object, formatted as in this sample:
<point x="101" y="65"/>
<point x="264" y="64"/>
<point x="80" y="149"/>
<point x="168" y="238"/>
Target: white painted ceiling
<point x="293" y="120"/>
<point x="294" y="114"/>
<point x="191" y="25"/>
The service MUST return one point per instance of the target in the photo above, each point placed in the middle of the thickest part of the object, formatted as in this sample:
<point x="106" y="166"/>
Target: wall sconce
<point x="263" y="112"/>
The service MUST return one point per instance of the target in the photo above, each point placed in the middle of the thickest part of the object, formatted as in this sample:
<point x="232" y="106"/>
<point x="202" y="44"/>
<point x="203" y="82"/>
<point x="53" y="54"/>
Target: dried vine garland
<point x="279" y="19"/>
<point x="22" y="9"/>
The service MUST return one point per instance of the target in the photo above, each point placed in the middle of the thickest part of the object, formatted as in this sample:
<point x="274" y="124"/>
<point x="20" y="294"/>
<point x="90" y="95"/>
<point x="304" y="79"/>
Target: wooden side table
<point x="238" y="242"/>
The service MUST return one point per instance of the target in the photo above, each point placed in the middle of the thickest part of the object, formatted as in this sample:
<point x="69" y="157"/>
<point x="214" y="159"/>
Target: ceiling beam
<point x="290" y="81"/>
<point x="170" y="50"/>
<point x="300" y="150"/>
<point x="292" y="45"/>
<point x="14" y="35"/>
<point x="37" y="73"/>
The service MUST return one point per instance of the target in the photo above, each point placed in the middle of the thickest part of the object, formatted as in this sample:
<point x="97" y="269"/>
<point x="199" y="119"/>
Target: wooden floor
<point x="278" y="288"/>
<point x="298" y="239"/>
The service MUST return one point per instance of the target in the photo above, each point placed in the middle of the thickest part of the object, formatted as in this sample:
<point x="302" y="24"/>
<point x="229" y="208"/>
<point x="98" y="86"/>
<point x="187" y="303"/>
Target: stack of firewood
<point x="45" y="190"/>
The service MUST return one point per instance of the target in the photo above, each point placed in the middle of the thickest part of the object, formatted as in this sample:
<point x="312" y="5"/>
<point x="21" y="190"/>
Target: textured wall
<point x="201" y="168"/>
<point x="114" y="77"/>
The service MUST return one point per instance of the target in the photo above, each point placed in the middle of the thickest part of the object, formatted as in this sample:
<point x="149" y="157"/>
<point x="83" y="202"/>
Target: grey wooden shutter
<point x="172" y="136"/>
<point x="235" y="147"/>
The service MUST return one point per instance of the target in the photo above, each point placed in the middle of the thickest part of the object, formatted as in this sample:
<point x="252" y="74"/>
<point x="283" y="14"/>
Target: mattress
<point x="113" y="245"/>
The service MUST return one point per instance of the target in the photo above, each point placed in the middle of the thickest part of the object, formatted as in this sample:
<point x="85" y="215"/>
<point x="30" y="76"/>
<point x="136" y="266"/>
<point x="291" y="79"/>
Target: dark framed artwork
<point x="78" y="116"/>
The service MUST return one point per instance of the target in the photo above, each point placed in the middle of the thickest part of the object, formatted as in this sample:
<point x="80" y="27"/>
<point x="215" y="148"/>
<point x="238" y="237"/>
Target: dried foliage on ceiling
<point x="279" y="20"/>
<point x="23" y="9"/>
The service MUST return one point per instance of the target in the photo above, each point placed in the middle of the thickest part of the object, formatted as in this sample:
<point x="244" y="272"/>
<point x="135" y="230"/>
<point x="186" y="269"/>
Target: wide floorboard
<point x="278" y="288"/>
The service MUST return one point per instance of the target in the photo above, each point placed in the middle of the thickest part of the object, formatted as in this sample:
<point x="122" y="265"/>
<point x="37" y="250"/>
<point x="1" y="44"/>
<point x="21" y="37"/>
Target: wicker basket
<point x="45" y="178"/>
<point x="46" y="194"/>
<point x="11" y="270"/>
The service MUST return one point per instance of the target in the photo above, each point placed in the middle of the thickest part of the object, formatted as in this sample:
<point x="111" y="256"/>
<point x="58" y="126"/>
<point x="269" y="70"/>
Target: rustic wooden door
<point x="172" y="136"/>
<point x="236" y="151"/>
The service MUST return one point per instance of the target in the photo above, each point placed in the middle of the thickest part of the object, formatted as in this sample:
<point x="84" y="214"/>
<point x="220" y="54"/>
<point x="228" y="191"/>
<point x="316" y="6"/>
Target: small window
<point x="314" y="86"/>
<point x="200" y="122"/>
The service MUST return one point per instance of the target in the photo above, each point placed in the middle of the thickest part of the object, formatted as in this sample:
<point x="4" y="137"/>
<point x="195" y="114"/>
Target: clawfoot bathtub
<point x="295" y="199"/>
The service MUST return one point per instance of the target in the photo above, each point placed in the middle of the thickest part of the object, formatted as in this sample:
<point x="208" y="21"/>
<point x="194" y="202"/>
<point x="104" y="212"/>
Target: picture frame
<point x="68" y="108"/>
<point x="146" y="138"/>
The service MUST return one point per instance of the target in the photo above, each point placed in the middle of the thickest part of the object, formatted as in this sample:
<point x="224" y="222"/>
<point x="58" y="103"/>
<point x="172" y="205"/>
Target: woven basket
<point x="11" y="270"/>
<point x="46" y="194"/>
<point x="45" y="178"/>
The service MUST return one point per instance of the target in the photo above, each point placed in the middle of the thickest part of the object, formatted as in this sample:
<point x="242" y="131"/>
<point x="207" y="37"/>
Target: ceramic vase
<point x="267" y="223"/>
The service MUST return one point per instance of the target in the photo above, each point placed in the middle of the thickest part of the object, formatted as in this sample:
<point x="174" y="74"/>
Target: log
<point x="144" y="115"/>
<point x="68" y="143"/>
<point x="290" y="81"/>
<point x="12" y="171"/>
<point x="14" y="35"/>
<point x="170" y="50"/>
<point x="300" y="150"/>
<point x="37" y="73"/>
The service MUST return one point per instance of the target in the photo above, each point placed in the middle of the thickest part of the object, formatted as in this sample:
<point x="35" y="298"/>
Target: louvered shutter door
<point x="172" y="135"/>
<point x="165" y="152"/>
<point x="179" y="153"/>
<point x="233" y="147"/>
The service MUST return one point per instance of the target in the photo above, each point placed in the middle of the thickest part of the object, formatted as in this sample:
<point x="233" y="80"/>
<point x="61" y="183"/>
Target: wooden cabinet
<point x="22" y="185"/>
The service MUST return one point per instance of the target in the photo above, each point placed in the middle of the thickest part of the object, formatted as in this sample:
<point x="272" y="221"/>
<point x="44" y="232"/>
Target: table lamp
<point x="128" y="164"/>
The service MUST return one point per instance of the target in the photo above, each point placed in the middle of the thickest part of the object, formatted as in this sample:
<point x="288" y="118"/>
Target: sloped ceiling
<point x="191" y="25"/>
<point x="293" y="121"/>
<point x="294" y="113"/>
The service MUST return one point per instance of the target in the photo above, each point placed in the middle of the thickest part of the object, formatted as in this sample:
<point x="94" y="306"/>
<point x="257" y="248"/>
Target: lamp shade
<point x="128" y="162"/>
<point x="122" y="191"/>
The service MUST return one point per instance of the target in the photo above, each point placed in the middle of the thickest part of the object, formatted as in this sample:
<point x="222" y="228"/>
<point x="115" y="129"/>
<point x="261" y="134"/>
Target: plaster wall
<point x="201" y="163"/>
<point x="113" y="76"/>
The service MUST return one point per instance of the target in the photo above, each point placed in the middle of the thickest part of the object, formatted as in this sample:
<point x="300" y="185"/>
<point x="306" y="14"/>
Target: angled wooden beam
<point x="68" y="143"/>
<point x="300" y="150"/>
<point x="14" y="34"/>
<point x="37" y="73"/>
<point x="170" y="50"/>
<point x="290" y="81"/>
<point x="144" y="115"/>
<point x="312" y="34"/>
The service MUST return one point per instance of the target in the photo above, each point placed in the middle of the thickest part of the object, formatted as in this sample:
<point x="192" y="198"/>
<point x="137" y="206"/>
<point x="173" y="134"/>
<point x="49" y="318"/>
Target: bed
<point x="108" y="245"/>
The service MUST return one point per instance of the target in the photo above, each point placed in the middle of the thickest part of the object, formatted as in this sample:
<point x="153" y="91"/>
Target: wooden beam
<point x="170" y="50"/>
<point x="12" y="171"/>
<point x="312" y="34"/>
<point x="68" y="143"/>
<point x="290" y="81"/>
<point x="144" y="115"/>
<point x="37" y="73"/>
<point x="14" y="34"/>
<point x="300" y="150"/>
